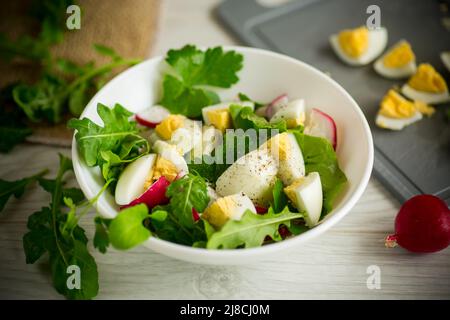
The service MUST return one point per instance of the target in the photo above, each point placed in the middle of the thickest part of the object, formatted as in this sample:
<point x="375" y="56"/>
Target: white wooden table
<point x="333" y="266"/>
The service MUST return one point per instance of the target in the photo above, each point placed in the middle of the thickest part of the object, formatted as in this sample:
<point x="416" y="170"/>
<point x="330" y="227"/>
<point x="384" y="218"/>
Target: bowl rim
<point x="160" y="245"/>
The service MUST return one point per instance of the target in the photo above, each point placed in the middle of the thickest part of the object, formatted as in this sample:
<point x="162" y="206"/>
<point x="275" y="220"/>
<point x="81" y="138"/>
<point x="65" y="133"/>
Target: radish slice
<point x="260" y="210"/>
<point x="153" y="196"/>
<point x="276" y="104"/>
<point x="322" y="125"/>
<point x="152" y="116"/>
<point x="195" y="215"/>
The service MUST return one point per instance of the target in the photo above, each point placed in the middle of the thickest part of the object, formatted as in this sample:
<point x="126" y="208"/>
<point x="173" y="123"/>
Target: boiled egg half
<point x="288" y="155"/>
<point x="293" y="113"/>
<point x="397" y="112"/>
<point x="306" y="195"/>
<point x="426" y="85"/>
<point x="226" y="208"/>
<point x="359" y="46"/>
<point x="253" y="174"/>
<point x="399" y="62"/>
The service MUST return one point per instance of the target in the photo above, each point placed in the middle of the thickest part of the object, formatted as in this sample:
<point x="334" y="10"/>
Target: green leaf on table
<point x="320" y="157"/>
<point x="106" y="51"/>
<point x="101" y="236"/>
<point x="55" y="230"/>
<point x="186" y="193"/>
<point x="75" y="194"/>
<point x="127" y="230"/>
<point x="251" y="230"/>
<point x="16" y="188"/>
<point x="193" y="68"/>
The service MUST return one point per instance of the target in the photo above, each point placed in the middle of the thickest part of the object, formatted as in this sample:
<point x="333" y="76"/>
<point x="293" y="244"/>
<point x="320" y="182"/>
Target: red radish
<point x="284" y="231"/>
<point x="260" y="210"/>
<point x="322" y="125"/>
<point x="153" y="196"/>
<point x="195" y="215"/>
<point x="152" y="116"/>
<point x="276" y="104"/>
<point x="422" y="225"/>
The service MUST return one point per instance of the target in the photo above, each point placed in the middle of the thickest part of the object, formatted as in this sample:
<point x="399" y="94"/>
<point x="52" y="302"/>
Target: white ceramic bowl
<point x="265" y="75"/>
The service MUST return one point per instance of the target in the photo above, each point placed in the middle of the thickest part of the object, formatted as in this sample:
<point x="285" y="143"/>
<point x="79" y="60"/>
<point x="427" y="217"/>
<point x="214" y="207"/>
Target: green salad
<point x="202" y="172"/>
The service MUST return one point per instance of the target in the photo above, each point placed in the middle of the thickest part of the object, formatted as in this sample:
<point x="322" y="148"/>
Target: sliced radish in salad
<point x="153" y="196"/>
<point x="276" y="104"/>
<point x="195" y="215"/>
<point x="322" y="125"/>
<point x="260" y="210"/>
<point x="152" y="116"/>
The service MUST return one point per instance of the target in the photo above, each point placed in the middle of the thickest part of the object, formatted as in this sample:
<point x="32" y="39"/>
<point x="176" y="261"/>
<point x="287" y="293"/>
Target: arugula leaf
<point x="55" y="231"/>
<point x="192" y="68"/>
<point x="279" y="197"/>
<point x="101" y="236"/>
<point x="245" y="118"/>
<point x="251" y="230"/>
<point x="127" y="230"/>
<point x="186" y="193"/>
<point x="16" y="188"/>
<point x="320" y="157"/>
<point x="75" y="194"/>
<point x="117" y="139"/>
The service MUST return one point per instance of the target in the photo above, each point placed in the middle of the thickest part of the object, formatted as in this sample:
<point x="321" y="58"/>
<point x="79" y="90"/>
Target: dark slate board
<point x="412" y="161"/>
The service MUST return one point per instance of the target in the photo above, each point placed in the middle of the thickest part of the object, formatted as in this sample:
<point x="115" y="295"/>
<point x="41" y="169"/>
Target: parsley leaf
<point x="16" y="188"/>
<point x="251" y="230"/>
<point x="192" y="68"/>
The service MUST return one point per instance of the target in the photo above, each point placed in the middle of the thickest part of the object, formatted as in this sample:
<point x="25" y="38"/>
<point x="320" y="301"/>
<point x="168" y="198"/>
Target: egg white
<point x="445" y="57"/>
<point x="394" y="73"/>
<point x="293" y="110"/>
<point x="254" y="174"/>
<point x="427" y="97"/>
<point x="396" y="124"/>
<point x="377" y="43"/>
<point x="132" y="180"/>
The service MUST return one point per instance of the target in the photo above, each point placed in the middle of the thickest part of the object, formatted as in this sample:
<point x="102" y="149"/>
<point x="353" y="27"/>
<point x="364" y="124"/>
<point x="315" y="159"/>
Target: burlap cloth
<point x="128" y="26"/>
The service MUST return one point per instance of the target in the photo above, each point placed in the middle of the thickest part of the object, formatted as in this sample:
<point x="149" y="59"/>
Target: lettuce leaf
<point x="320" y="157"/>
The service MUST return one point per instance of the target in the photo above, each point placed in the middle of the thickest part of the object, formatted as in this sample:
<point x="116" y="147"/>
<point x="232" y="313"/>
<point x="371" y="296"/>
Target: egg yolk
<point x="427" y="79"/>
<point x="394" y="105"/>
<point x="293" y="123"/>
<point x="354" y="42"/>
<point x="399" y="56"/>
<point x="219" y="211"/>
<point x="162" y="167"/>
<point x="169" y="125"/>
<point x="281" y="141"/>
<point x="290" y="190"/>
<point x="424" y="108"/>
<point x="219" y="118"/>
